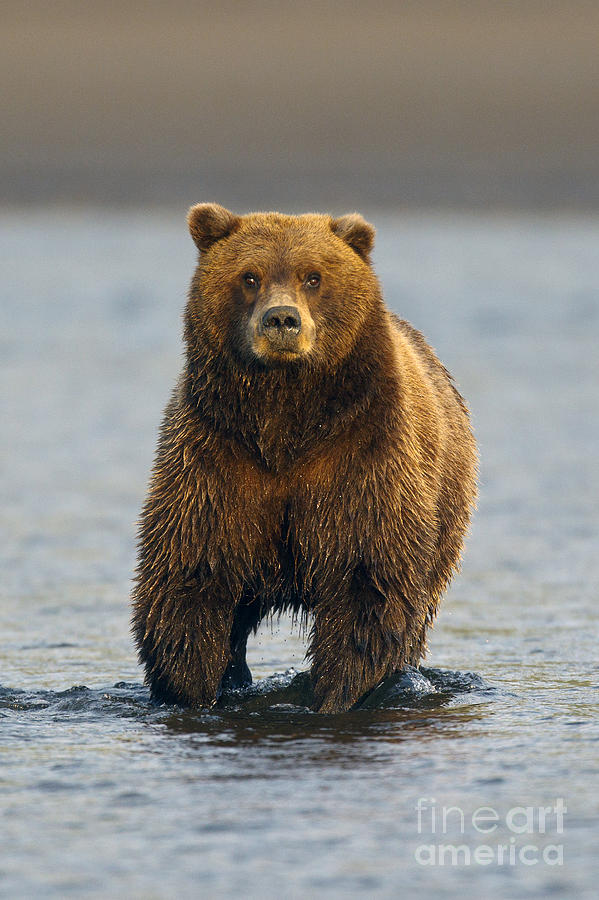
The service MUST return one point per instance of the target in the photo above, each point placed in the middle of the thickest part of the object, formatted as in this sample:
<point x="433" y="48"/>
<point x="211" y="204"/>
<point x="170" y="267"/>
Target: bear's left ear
<point x="356" y="232"/>
<point x="209" y="222"/>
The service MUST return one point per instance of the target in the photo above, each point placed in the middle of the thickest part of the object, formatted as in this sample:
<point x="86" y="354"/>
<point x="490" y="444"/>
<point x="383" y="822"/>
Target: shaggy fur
<point x="336" y="480"/>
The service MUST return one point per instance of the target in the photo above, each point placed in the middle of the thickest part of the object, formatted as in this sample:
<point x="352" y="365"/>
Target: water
<point x="103" y="794"/>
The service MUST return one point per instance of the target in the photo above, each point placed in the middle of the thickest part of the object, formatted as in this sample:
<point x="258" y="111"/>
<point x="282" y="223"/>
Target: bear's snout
<point x="278" y="322"/>
<point x="280" y="331"/>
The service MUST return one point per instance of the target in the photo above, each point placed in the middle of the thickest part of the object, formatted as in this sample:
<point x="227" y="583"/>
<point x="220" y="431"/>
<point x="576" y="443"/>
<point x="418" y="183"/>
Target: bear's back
<point x="429" y="363"/>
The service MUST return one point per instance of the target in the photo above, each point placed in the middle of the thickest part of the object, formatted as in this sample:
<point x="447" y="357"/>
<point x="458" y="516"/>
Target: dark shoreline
<point x="472" y="188"/>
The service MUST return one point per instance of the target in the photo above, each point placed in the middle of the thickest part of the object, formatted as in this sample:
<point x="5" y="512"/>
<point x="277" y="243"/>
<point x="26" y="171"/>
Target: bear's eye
<point x="251" y="280"/>
<point x="313" y="280"/>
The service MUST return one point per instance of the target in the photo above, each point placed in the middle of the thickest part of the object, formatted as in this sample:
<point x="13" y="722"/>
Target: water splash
<point x="289" y="690"/>
<point x="408" y="689"/>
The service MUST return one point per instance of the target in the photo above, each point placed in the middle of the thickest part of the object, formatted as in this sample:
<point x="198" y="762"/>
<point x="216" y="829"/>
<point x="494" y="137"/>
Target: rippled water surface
<point x="103" y="794"/>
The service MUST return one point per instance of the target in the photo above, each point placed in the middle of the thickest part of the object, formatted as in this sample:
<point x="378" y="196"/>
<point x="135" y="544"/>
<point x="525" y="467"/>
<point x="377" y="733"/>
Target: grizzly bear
<point x="315" y="456"/>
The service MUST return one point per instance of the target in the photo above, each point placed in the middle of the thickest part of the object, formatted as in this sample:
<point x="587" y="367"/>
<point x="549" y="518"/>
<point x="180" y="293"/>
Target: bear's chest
<point x="275" y="512"/>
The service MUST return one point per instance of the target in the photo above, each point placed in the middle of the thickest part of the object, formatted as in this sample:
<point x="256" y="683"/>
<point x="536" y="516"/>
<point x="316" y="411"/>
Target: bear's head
<point x="273" y="289"/>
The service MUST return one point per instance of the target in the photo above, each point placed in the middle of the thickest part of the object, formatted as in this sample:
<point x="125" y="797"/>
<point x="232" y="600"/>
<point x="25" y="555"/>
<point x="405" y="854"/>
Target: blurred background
<point x="312" y="104"/>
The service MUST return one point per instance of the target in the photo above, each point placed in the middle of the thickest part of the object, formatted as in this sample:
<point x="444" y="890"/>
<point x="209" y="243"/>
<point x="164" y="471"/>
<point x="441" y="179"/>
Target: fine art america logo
<point x="524" y="835"/>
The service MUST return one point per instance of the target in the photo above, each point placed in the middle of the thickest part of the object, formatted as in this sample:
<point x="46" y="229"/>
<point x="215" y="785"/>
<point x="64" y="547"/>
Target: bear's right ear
<point x="356" y="232"/>
<point x="209" y="222"/>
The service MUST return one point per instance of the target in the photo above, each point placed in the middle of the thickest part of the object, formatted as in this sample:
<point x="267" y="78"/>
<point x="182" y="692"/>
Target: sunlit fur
<point x="337" y="483"/>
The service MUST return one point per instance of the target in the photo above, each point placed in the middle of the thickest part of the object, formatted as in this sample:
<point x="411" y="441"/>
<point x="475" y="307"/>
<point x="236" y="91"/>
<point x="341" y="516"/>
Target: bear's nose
<point x="281" y="320"/>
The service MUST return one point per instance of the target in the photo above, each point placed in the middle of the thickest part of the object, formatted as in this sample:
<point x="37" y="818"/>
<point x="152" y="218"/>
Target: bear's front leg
<point x="183" y="632"/>
<point x="358" y="638"/>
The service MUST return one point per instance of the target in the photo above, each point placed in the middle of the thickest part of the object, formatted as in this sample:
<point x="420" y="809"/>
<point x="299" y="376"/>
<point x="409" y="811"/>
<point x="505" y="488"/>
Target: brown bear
<point x="315" y="456"/>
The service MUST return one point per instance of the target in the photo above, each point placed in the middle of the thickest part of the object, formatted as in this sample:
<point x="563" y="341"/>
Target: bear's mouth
<point x="269" y="352"/>
<point x="285" y="350"/>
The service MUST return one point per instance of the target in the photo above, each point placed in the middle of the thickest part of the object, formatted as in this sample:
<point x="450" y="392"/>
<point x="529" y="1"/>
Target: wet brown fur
<point x="337" y="484"/>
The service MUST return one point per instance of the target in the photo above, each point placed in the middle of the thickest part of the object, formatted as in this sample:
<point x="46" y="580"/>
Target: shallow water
<point x="104" y="794"/>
